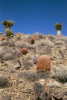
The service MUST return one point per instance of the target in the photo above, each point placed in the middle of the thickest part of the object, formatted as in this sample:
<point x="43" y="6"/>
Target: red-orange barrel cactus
<point x="2" y="38"/>
<point x="43" y="63"/>
<point x="24" y="50"/>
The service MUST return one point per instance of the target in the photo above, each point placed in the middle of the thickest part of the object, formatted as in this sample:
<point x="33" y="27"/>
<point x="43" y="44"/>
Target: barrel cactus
<point x="44" y="63"/>
<point x="24" y="50"/>
<point x="2" y="38"/>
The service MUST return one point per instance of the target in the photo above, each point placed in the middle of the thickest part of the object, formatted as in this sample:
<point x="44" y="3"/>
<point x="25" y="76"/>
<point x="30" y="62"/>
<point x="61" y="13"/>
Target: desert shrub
<point x="40" y="92"/>
<point x="5" y="97"/>
<point x="30" y="76"/>
<point x="9" y="34"/>
<point x="2" y="51"/>
<point x="27" y="64"/>
<point x="3" y="43"/>
<point x="9" y="56"/>
<point x="18" y="36"/>
<point x="32" y="41"/>
<point x="33" y="76"/>
<point x="3" y="81"/>
<point x="51" y="38"/>
<point x="44" y="47"/>
<point x="21" y="44"/>
<point x="38" y="88"/>
<point x="60" y="74"/>
<point x="34" y="58"/>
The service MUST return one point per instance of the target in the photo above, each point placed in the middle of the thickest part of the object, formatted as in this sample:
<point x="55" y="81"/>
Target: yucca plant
<point x="8" y="24"/>
<point x="58" y="29"/>
<point x="58" y="26"/>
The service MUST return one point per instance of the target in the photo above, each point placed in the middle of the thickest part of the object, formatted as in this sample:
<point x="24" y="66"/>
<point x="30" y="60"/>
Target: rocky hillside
<point x="19" y="76"/>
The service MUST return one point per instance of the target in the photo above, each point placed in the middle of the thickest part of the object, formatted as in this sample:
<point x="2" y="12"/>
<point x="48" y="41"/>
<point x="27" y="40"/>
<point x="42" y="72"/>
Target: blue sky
<point x="34" y="15"/>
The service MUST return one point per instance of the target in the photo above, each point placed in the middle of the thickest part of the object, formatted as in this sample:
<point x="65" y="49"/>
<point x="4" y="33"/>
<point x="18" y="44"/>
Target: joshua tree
<point x="8" y="24"/>
<point x="58" y="28"/>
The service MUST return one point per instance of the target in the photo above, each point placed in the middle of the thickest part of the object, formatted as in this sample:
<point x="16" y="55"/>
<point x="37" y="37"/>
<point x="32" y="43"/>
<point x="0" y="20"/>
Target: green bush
<point x="9" y="34"/>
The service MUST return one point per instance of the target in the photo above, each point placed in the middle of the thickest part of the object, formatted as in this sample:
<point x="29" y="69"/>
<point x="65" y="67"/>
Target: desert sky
<point x="35" y="15"/>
